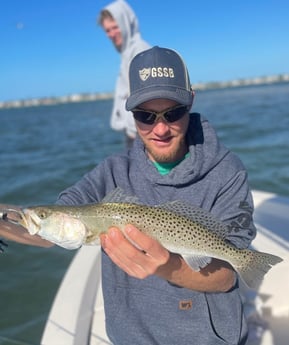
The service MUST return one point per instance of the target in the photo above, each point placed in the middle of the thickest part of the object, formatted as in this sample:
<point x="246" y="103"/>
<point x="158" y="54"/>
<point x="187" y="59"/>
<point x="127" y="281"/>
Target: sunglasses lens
<point x="175" y="114"/>
<point x="170" y="116"/>
<point x="143" y="116"/>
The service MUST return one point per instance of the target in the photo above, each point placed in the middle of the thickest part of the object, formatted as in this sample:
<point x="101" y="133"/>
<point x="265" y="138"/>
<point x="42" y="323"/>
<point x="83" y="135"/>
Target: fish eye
<point x="42" y="214"/>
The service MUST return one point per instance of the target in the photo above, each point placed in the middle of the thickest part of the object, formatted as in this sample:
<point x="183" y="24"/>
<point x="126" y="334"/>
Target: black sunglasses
<point x="170" y="115"/>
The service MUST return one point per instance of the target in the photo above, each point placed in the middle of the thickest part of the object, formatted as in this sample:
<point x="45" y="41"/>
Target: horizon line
<point x="85" y="96"/>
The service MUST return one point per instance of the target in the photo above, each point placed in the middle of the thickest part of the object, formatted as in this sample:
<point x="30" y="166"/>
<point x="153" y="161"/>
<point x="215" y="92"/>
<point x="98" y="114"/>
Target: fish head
<point x="33" y="219"/>
<point x="54" y="225"/>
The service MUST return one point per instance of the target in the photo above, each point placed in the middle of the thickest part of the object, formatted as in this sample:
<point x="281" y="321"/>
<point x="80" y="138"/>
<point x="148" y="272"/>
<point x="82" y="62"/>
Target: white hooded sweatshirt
<point x="121" y="119"/>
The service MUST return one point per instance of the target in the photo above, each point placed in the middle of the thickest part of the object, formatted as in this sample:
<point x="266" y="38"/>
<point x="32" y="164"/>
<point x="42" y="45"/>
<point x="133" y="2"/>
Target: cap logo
<point x="156" y="72"/>
<point x="144" y="73"/>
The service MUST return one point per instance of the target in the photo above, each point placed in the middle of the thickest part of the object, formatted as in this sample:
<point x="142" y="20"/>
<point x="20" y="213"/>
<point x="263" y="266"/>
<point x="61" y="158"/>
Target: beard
<point x="170" y="155"/>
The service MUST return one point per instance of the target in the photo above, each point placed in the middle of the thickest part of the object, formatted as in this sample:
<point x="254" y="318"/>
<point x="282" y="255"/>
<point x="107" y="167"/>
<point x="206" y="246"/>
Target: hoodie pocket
<point x="226" y="316"/>
<point x="151" y="317"/>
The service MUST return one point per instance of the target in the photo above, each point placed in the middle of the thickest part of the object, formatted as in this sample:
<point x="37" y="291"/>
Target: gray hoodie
<point x="121" y="119"/>
<point x="153" y="311"/>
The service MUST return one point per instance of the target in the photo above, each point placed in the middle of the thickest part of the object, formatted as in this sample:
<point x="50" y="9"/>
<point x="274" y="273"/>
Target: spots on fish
<point x="186" y="230"/>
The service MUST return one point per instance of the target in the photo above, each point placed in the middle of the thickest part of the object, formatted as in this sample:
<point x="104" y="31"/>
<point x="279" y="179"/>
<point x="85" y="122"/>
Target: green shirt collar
<point x="165" y="168"/>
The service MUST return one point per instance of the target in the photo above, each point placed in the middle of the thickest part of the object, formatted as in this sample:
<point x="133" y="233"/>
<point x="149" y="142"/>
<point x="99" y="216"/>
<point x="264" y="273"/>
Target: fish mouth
<point x="19" y="217"/>
<point x="14" y="216"/>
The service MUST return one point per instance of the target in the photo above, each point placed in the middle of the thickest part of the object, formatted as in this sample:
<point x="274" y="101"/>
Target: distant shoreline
<point x="85" y="97"/>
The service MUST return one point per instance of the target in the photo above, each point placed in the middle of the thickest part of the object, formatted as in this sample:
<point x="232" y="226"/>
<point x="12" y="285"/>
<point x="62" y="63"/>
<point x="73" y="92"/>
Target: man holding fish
<point x="174" y="218"/>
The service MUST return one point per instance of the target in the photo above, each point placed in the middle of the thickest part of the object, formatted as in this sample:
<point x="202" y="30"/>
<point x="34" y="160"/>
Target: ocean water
<point x="45" y="149"/>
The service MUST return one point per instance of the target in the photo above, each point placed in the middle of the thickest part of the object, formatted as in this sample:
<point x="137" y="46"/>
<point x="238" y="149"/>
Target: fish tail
<point x="256" y="265"/>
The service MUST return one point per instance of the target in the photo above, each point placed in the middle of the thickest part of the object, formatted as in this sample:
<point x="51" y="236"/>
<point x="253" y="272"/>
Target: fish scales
<point x="170" y="229"/>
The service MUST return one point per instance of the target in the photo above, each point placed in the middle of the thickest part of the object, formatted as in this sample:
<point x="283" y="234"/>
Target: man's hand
<point x="136" y="253"/>
<point x="141" y="256"/>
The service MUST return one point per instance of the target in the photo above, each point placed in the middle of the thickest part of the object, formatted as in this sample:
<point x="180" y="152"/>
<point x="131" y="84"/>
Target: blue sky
<point x="54" y="48"/>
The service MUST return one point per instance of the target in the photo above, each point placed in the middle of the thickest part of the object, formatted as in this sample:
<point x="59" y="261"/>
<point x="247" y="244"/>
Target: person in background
<point x="120" y="24"/>
<point x="151" y="295"/>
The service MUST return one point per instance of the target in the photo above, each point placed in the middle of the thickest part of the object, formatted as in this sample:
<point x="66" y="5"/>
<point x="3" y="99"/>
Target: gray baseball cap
<point x="158" y="73"/>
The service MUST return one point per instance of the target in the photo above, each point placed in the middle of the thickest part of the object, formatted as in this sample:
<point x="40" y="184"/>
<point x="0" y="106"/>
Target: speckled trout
<point x="190" y="231"/>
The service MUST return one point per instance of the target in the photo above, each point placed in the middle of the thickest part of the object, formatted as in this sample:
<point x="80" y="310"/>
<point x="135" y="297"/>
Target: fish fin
<point x="118" y="195"/>
<point x="197" y="262"/>
<point x="198" y="215"/>
<point x="252" y="272"/>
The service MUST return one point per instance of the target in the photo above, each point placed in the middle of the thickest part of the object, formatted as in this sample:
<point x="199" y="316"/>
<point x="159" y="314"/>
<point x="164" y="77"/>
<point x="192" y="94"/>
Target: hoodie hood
<point x="205" y="153"/>
<point x="126" y="20"/>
